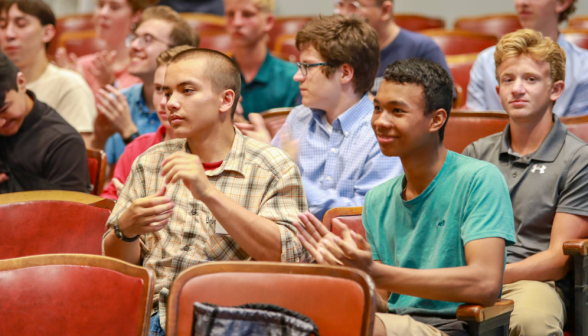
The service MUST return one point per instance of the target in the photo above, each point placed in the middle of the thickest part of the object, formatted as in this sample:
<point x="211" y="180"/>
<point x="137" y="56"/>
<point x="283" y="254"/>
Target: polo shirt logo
<point x="441" y="223"/>
<point x="540" y="169"/>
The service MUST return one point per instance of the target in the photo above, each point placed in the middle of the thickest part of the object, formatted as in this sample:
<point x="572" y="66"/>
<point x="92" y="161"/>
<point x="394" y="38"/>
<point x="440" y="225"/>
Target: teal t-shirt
<point x="272" y="87"/>
<point x="467" y="200"/>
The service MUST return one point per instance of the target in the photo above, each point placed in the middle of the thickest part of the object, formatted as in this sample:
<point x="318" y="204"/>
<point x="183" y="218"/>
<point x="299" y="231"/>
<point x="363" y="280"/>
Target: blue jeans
<point x="155" y="328"/>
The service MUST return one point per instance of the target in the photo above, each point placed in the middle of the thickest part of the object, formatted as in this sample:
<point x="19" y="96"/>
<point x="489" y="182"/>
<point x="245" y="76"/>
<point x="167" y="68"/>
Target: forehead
<point x="14" y="12"/>
<point x="310" y="52"/>
<point x="155" y="27"/>
<point x="409" y="93"/>
<point x="192" y="69"/>
<point x="523" y="64"/>
<point x="241" y="5"/>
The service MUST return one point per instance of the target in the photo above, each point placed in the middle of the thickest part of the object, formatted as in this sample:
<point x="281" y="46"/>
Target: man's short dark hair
<point x="222" y="70"/>
<point x="8" y="72"/>
<point x="36" y="8"/>
<point x="434" y="79"/>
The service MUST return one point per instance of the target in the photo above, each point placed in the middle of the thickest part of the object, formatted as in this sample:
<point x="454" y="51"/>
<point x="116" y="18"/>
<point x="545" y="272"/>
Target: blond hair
<point x="268" y="6"/>
<point x="181" y="34"/>
<point x="532" y="43"/>
<point x="168" y="54"/>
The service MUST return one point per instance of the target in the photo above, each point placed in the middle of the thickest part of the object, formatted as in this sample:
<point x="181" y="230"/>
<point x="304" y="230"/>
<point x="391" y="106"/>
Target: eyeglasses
<point x="353" y="6"/>
<point x="303" y="67"/>
<point x="144" y="40"/>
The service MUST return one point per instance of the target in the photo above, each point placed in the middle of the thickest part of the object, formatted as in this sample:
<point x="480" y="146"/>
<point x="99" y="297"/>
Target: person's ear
<point x="439" y="117"/>
<point x="347" y="73"/>
<point x="136" y="18"/>
<point x="48" y="33"/>
<point x="387" y="8"/>
<point x="227" y="99"/>
<point x="270" y="20"/>
<point x="562" y="5"/>
<point x="21" y="82"/>
<point x="556" y="90"/>
<point x="498" y="90"/>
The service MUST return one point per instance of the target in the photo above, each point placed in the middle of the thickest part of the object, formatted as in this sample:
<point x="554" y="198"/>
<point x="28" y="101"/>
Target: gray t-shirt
<point x="552" y="179"/>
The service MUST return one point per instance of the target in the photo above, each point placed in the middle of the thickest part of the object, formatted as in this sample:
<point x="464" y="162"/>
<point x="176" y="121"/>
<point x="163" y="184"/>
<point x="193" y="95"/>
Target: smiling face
<point x="114" y="19"/>
<point x="193" y="105"/>
<point x="525" y="87"/>
<point x="144" y="54"/>
<point x="246" y="23"/>
<point x="22" y="37"/>
<point x="399" y="121"/>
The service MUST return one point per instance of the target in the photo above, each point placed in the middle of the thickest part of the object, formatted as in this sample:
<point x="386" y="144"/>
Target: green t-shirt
<point x="467" y="200"/>
<point x="272" y="87"/>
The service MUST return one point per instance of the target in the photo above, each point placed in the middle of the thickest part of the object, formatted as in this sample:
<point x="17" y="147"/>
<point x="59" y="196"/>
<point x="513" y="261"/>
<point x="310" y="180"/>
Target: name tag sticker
<point x="219" y="229"/>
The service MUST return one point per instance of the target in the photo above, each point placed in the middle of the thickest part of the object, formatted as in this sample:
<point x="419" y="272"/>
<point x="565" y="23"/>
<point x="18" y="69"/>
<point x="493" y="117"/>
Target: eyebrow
<point x="392" y="102"/>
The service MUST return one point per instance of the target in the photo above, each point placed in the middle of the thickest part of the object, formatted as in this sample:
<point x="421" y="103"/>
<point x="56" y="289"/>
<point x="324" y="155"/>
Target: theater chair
<point x="70" y="23"/>
<point x="205" y="24"/>
<point x="275" y="118"/>
<point x="465" y="127"/>
<point x="578" y="37"/>
<point x="286" y="26"/>
<point x="72" y="295"/>
<point x="340" y="300"/>
<point x="460" y="67"/>
<point x="97" y="169"/>
<point x="459" y="42"/>
<point x="218" y="42"/>
<point x="81" y="43"/>
<point x="44" y="227"/>
<point x="418" y="22"/>
<point x="497" y="25"/>
<point x="482" y="321"/>
<point x="285" y="48"/>
<point x="57" y="195"/>
<point x="579" y="22"/>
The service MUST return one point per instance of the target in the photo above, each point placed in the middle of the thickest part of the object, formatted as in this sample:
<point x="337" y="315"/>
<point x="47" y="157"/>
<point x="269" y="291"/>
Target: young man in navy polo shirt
<point x="546" y="170"/>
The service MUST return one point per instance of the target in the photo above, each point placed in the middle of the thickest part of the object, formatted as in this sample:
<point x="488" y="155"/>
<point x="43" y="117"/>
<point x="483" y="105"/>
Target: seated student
<point x="544" y="17"/>
<point x="124" y="115"/>
<point x="545" y="167"/>
<point x="145" y="141"/>
<point x="330" y="135"/>
<point x="215" y="195"/>
<point x="114" y="21"/>
<point x="266" y="81"/>
<point x="38" y="149"/>
<point x="395" y="43"/>
<point x="26" y="29"/>
<point x="436" y="233"/>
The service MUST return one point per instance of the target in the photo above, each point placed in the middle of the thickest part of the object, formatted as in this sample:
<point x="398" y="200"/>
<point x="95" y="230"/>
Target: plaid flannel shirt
<point x="261" y="178"/>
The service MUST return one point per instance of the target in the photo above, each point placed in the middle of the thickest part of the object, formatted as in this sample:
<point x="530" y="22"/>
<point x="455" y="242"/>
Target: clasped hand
<point x="327" y="248"/>
<point x="146" y="215"/>
<point x="189" y="169"/>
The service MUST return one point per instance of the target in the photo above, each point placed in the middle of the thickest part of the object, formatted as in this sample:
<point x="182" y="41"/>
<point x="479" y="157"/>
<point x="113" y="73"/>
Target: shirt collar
<point x="159" y="134"/>
<point x="31" y="119"/>
<point x="264" y="75"/>
<point x="135" y="94"/>
<point x="350" y="118"/>
<point x="550" y="147"/>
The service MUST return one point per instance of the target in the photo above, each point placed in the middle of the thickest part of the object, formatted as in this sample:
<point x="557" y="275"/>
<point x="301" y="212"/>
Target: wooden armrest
<point x="576" y="247"/>
<point x="470" y="312"/>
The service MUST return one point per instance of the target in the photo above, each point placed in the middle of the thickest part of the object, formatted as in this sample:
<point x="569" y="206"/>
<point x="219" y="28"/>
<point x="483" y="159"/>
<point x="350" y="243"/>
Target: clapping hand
<point x="189" y="169"/>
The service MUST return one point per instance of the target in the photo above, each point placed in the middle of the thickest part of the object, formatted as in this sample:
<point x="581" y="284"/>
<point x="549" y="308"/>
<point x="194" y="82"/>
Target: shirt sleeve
<point x="121" y="171"/>
<point x="476" y="96"/>
<point x="281" y="204"/>
<point x="377" y="169"/>
<point x="66" y="164"/>
<point x="573" y="198"/>
<point x="470" y="151"/>
<point x="579" y="104"/>
<point x="488" y="212"/>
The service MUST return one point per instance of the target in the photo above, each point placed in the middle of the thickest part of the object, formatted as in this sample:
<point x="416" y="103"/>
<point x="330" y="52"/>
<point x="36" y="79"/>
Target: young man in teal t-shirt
<point x="438" y="232"/>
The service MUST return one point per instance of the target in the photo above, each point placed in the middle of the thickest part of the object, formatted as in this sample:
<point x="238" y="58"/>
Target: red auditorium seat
<point x="285" y="48"/>
<point x="350" y="216"/>
<point x="205" y="24"/>
<point x="340" y="300"/>
<point x="496" y="25"/>
<point x="275" y="118"/>
<point x="72" y="295"/>
<point x="578" y="37"/>
<point x="286" y="26"/>
<point x="81" y="43"/>
<point x="459" y="42"/>
<point x="219" y="42"/>
<point x="579" y="22"/>
<point x="460" y="66"/>
<point x="418" y="22"/>
<point x="97" y="169"/>
<point x="70" y="23"/>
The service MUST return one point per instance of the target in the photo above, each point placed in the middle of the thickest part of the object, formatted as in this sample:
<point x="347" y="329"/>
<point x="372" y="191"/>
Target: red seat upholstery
<point x="44" y="227"/>
<point x="97" y="168"/>
<point x="349" y="216"/>
<point x="70" y="23"/>
<point x="578" y="37"/>
<point x="418" y="22"/>
<point x="459" y="42"/>
<point x="218" y="42"/>
<point x="463" y="128"/>
<point x="579" y="22"/>
<point x="57" y="195"/>
<point x="496" y="25"/>
<point x="72" y="295"/>
<point x="205" y="24"/>
<point x="577" y="125"/>
<point x="341" y="301"/>
<point x="81" y="43"/>
<point x="460" y="67"/>
<point x="286" y="26"/>
<point x="285" y="48"/>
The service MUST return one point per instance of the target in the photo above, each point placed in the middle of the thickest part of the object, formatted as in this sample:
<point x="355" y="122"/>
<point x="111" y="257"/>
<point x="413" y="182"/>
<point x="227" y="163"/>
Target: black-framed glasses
<point x="144" y="40"/>
<point x="352" y="6"/>
<point x="304" y="66"/>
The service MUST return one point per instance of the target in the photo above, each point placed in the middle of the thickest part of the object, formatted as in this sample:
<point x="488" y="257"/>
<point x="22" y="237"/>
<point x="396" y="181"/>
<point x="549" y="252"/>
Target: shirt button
<point x="333" y="150"/>
<point x="186" y="248"/>
<point x="346" y="133"/>
<point x="514" y="174"/>
<point x="193" y="212"/>
<point x="328" y="178"/>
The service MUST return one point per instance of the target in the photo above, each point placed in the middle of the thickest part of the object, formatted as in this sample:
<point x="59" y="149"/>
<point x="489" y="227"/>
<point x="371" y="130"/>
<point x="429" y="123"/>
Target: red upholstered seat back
<point x="459" y="42"/>
<point x="577" y="36"/>
<point x="286" y="48"/>
<point x="68" y="24"/>
<point x="353" y="223"/>
<point x="497" y="25"/>
<point x="286" y="26"/>
<point x="463" y="128"/>
<point x="350" y="216"/>
<point x="72" y="299"/>
<point x="577" y="125"/>
<point x="460" y="67"/>
<point x="338" y="300"/>
<point x="45" y="227"/>
<point x="218" y="42"/>
<point x="418" y="22"/>
<point x="579" y="22"/>
<point x="82" y="43"/>
<point x="93" y="170"/>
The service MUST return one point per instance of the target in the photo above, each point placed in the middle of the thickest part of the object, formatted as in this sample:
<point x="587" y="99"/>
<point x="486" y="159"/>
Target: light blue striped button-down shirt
<point x="573" y="101"/>
<point x="340" y="167"/>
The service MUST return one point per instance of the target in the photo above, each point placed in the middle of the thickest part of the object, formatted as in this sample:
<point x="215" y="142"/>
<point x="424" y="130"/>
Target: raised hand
<point x="113" y="106"/>
<point x="68" y="61"/>
<point x="189" y="169"/>
<point x="103" y="67"/>
<point x="146" y="215"/>
<point x="256" y="129"/>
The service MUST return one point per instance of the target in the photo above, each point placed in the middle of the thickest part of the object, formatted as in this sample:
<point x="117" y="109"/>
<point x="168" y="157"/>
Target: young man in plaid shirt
<point x="211" y="195"/>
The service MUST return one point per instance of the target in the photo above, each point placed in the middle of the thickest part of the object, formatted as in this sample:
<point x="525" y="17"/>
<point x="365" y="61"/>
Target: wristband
<point x="131" y="138"/>
<point x="121" y="236"/>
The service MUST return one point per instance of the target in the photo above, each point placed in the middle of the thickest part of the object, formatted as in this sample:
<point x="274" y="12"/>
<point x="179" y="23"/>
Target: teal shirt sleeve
<point x="488" y="212"/>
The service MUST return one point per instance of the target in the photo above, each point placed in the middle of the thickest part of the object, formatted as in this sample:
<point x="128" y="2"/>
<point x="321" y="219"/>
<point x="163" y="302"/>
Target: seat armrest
<point x="576" y="247"/>
<point x="478" y="313"/>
